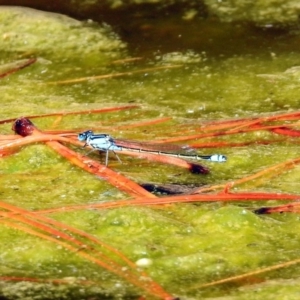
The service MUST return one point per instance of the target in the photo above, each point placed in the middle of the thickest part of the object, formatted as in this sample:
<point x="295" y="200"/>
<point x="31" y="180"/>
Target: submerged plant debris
<point x="77" y="229"/>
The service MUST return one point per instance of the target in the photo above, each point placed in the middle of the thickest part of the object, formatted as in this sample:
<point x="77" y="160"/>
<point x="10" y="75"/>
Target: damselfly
<point x="104" y="142"/>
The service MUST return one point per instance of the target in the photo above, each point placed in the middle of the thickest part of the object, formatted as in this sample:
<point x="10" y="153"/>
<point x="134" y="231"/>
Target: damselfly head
<point x="84" y="135"/>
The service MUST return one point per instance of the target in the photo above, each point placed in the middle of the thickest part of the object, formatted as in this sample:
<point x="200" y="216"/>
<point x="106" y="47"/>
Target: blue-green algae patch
<point x="187" y="244"/>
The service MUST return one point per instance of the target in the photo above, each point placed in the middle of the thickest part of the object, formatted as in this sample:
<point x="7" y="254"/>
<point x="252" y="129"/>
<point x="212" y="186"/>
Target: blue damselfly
<point x="104" y="142"/>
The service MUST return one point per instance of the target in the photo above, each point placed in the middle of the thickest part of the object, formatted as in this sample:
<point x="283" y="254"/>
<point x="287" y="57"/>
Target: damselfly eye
<point x="81" y="137"/>
<point x="84" y="135"/>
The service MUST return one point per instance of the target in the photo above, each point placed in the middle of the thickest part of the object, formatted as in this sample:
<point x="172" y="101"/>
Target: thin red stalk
<point x="214" y="134"/>
<point x="150" y="286"/>
<point x="220" y="125"/>
<point x="32" y="279"/>
<point x="293" y="207"/>
<point x="253" y="125"/>
<point x="242" y="127"/>
<point x="34" y="232"/>
<point x="4" y="153"/>
<point x="95" y="168"/>
<point x="22" y="215"/>
<point x="127" y="60"/>
<point x="79" y="251"/>
<point x="286" y="131"/>
<point x="62" y="132"/>
<point x="107" y="263"/>
<point x="221" y="197"/>
<point x="271" y="171"/>
<point x="83" y="112"/>
<point x="20" y="67"/>
<point x="145" y="123"/>
<point x="261" y="127"/>
<point x="113" y="75"/>
<point x="258" y="122"/>
<point x="34" y="139"/>
<point x="18" y="211"/>
<point x="285" y="116"/>
<point x="240" y="123"/>
<point x="54" y="281"/>
<point x="95" y="241"/>
<point x="217" y="125"/>
<point x="247" y="275"/>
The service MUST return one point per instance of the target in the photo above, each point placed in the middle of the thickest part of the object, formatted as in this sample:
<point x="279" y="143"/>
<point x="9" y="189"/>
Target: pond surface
<point x="206" y="71"/>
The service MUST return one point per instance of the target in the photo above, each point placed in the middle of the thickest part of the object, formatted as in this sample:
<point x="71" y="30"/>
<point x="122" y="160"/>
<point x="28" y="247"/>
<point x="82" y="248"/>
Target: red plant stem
<point x="32" y="279"/>
<point x="94" y="167"/>
<point x="20" y="67"/>
<point x="22" y="215"/>
<point x="221" y="197"/>
<point x="145" y="123"/>
<point x="290" y="207"/>
<point x="271" y="171"/>
<point x="18" y="213"/>
<point x="18" y="142"/>
<point x="114" y="75"/>
<point x="54" y="281"/>
<point x="247" y="275"/>
<point x="217" y="125"/>
<point x="83" y="112"/>
<point x="149" y="285"/>
<point x="214" y="134"/>
<point x="286" y="131"/>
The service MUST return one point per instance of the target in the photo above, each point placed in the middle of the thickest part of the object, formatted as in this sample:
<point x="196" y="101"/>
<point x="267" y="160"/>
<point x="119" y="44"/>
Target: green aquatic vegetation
<point x="261" y="12"/>
<point x="56" y="36"/>
<point x="188" y="244"/>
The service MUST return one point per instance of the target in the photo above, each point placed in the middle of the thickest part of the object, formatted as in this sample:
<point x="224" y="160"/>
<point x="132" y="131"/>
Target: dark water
<point x="149" y="29"/>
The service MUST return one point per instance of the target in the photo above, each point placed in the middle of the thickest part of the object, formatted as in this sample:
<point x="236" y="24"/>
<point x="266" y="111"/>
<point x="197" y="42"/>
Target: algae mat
<point x="182" y="245"/>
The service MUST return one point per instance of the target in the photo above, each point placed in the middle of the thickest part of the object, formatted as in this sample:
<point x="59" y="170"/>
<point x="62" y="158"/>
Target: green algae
<point x="261" y="12"/>
<point x="188" y="244"/>
<point x="38" y="34"/>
